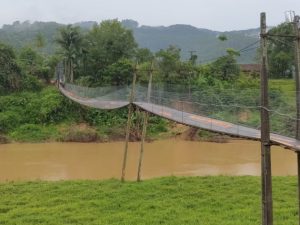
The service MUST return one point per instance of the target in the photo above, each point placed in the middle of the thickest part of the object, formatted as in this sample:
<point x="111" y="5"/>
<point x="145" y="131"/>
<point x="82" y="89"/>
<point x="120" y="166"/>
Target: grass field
<point x="288" y="88"/>
<point x="199" y="200"/>
<point x="286" y="85"/>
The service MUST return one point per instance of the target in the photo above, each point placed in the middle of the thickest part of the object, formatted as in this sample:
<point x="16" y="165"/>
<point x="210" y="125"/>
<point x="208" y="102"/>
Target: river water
<point x="65" y="161"/>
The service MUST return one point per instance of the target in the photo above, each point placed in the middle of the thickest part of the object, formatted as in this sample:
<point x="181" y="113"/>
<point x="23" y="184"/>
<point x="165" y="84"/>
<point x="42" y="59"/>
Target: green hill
<point x="23" y="34"/>
<point x="204" y="42"/>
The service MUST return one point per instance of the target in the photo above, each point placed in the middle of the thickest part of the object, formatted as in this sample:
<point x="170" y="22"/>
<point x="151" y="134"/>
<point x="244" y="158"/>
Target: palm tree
<point x="70" y="41"/>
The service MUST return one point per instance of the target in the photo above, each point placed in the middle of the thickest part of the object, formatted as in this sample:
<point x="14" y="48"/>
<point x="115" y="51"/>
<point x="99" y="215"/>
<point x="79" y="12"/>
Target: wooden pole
<point x="144" y="131"/>
<point x="297" y="80"/>
<point x="150" y="83"/>
<point x="298" y="165"/>
<point x="297" y="73"/>
<point x="145" y="123"/>
<point x="129" y="121"/>
<point x="267" y="203"/>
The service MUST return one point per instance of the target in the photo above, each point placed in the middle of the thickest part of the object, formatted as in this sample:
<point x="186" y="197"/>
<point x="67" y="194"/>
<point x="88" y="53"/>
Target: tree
<point x="169" y="61"/>
<point x="70" y="41"/>
<point x="119" y="73"/>
<point x="10" y="72"/>
<point x="280" y="52"/>
<point x="144" y="55"/>
<point x="223" y="37"/>
<point x="109" y="42"/>
<point x="30" y="61"/>
<point x="226" y="67"/>
<point x="187" y="73"/>
<point x="33" y="64"/>
<point x="51" y="63"/>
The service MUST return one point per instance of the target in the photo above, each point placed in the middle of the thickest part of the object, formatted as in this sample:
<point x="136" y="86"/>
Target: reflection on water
<point x="64" y="161"/>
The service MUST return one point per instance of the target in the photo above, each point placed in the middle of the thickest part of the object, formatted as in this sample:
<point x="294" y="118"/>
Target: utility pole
<point x="297" y="73"/>
<point x="193" y="57"/>
<point x="267" y="202"/>
<point x="297" y="80"/>
<point x="192" y="53"/>
<point x="129" y="121"/>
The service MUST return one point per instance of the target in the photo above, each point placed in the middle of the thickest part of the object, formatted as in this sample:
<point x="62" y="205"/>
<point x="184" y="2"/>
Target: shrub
<point x="31" y="83"/>
<point x="80" y="134"/>
<point x="34" y="133"/>
<point x="9" y="120"/>
<point x="157" y="125"/>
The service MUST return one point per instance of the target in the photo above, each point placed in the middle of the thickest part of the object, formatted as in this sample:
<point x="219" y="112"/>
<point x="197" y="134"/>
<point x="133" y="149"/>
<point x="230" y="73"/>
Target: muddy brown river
<point x="65" y="161"/>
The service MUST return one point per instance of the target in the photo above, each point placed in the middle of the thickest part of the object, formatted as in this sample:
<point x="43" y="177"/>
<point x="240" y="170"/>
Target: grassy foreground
<point x="199" y="200"/>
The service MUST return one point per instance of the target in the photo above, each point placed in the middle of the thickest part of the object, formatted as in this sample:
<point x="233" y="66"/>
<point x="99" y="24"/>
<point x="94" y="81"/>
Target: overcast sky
<point x="218" y="15"/>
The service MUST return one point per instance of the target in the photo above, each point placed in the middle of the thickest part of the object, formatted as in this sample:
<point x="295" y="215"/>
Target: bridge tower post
<point x="297" y="80"/>
<point x="145" y="123"/>
<point x="129" y="122"/>
<point x="267" y="202"/>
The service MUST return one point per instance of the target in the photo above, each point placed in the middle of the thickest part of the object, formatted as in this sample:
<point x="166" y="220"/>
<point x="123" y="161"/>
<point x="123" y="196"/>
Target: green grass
<point x="199" y="200"/>
<point x="288" y="88"/>
<point x="286" y="85"/>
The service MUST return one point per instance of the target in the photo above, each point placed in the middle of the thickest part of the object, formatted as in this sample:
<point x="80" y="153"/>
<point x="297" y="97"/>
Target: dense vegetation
<point x="182" y="201"/>
<point x="48" y="116"/>
<point x="107" y="54"/>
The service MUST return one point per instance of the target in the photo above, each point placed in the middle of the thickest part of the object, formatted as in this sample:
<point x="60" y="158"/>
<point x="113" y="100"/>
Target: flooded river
<point x="64" y="161"/>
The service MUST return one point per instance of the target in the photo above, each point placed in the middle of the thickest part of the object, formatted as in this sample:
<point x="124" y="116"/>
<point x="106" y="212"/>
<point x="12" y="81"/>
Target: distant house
<point x="250" y="68"/>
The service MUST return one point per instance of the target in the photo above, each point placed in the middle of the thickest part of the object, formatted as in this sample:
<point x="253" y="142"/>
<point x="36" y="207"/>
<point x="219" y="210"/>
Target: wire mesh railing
<point x="106" y="93"/>
<point x="239" y="107"/>
<point x="229" y="111"/>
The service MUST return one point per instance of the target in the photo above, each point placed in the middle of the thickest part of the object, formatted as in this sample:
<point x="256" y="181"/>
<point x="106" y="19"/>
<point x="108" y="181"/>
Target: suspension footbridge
<point x="216" y="112"/>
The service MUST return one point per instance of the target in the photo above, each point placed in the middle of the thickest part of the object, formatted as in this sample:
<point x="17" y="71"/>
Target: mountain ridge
<point x="202" y="41"/>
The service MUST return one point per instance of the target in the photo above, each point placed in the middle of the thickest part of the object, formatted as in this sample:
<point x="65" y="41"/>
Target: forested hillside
<point x="188" y="38"/>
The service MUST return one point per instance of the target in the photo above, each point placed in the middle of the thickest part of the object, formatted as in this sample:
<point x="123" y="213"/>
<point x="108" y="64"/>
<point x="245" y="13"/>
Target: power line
<point x="280" y="41"/>
<point x="281" y="35"/>
<point x="250" y="45"/>
<point x="242" y="50"/>
<point x="249" y="49"/>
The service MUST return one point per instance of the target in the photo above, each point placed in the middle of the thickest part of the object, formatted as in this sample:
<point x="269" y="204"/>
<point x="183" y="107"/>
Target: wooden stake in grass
<point x="129" y="121"/>
<point x="145" y="122"/>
